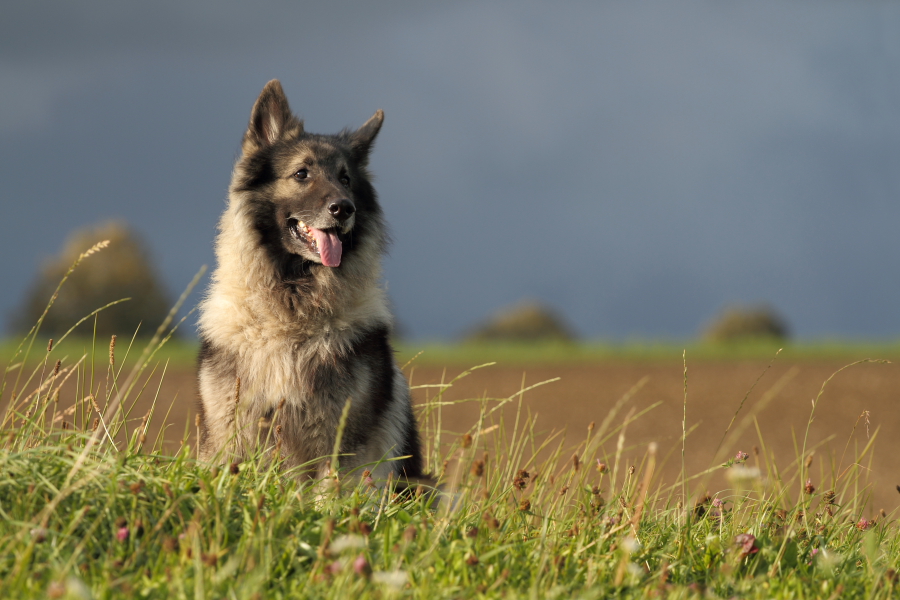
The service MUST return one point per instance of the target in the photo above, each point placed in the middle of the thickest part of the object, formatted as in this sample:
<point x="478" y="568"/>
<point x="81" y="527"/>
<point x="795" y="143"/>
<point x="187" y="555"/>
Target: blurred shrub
<point x="123" y="270"/>
<point x="526" y="322"/>
<point x="751" y="323"/>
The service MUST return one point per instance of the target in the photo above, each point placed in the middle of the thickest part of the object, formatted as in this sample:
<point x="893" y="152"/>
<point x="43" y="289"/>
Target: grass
<point x="92" y="508"/>
<point x="181" y="353"/>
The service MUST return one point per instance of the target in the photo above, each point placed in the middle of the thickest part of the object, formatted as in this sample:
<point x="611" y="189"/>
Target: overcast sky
<point x="635" y="165"/>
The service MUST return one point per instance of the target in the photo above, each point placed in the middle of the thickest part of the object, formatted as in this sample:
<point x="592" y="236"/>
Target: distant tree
<point x="743" y="323"/>
<point x="524" y="322"/>
<point x="122" y="270"/>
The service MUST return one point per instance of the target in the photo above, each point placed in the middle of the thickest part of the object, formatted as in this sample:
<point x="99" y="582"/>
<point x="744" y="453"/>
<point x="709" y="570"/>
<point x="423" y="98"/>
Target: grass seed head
<point x="56" y="589"/>
<point x="809" y="488"/>
<point x="409" y="534"/>
<point x="170" y="544"/>
<point x="602" y="467"/>
<point x="465" y="441"/>
<point x="478" y="468"/>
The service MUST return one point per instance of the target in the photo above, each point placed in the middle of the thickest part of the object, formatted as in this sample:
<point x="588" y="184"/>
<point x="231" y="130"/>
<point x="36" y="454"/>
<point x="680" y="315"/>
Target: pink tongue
<point x="330" y="248"/>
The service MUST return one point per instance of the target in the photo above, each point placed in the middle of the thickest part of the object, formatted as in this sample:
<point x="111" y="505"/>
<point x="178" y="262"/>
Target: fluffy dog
<point x="296" y="323"/>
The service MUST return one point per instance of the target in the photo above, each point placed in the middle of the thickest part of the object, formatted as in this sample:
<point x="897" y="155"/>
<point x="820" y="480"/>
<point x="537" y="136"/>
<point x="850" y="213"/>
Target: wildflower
<point x="746" y="543"/>
<point x="393" y="579"/>
<point x="864" y="524"/>
<point x="630" y="545"/>
<point x="56" y="589"/>
<point x="809" y="487"/>
<point x="718" y="502"/>
<point x="741" y="456"/>
<point x="361" y="566"/>
<point x="335" y="567"/>
<point x="741" y="475"/>
<point x="347" y="542"/>
<point x="123" y="534"/>
<point x="39" y="534"/>
<point x="601" y="466"/>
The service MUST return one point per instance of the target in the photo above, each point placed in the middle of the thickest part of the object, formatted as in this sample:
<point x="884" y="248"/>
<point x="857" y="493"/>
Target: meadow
<point x="629" y="471"/>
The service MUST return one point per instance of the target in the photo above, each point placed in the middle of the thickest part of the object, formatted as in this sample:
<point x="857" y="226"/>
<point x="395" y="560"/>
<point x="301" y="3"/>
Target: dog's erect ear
<point x="270" y="119"/>
<point x="361" y="140"/>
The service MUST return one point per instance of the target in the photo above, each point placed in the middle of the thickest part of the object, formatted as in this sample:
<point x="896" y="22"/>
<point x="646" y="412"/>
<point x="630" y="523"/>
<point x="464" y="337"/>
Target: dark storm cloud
<point x="637" y="165"/>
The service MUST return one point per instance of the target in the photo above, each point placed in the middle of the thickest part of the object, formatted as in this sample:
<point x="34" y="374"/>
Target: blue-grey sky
<point x="636" y="165"/>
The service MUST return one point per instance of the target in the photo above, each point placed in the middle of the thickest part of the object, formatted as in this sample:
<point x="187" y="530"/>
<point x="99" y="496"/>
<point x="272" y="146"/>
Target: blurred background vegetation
<point x="741" y="324"/>
<point x="123" y="270"/>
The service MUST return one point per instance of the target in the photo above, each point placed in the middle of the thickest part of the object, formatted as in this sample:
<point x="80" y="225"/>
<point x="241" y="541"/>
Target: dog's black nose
<point x="341" y="209"/>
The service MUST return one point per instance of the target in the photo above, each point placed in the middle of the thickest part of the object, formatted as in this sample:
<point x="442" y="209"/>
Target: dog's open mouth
<point x="322" y="242"/>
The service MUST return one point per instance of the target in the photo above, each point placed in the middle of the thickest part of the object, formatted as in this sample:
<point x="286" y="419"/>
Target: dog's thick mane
<point x="282" y="292"/>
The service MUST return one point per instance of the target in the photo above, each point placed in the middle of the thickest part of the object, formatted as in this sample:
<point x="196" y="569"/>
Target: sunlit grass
<point x="90" y="507"/>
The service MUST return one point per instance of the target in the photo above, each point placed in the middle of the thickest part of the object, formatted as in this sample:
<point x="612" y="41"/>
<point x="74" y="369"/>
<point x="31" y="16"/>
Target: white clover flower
<point x="393" y="579"/>
<point x="741" y="475"/>
<point x="347" y="542"/>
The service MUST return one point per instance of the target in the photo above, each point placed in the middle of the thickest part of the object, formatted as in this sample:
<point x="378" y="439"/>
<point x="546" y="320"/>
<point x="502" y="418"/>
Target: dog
<point x="295" y="324"/>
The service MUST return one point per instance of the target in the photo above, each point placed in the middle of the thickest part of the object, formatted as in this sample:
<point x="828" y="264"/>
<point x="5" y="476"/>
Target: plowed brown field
<point x="585" y="393"/>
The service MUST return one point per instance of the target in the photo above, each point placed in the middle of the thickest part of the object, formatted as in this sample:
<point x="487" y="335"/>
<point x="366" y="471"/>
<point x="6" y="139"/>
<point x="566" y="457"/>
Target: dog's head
<point x="309" y="195"/>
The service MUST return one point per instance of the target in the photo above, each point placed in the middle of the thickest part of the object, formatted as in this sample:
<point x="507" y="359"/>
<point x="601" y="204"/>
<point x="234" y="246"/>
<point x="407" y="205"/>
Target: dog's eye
<point x="345" y="180"/>
<point x="301" y="174"/>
